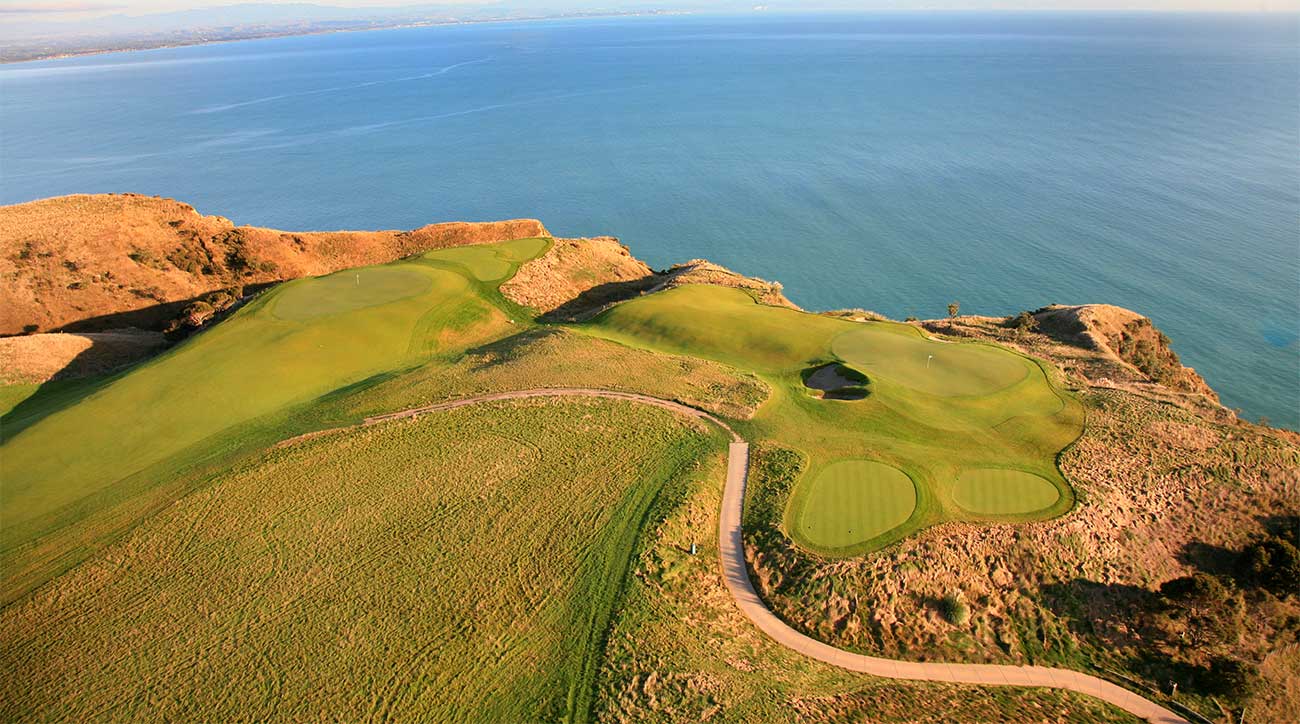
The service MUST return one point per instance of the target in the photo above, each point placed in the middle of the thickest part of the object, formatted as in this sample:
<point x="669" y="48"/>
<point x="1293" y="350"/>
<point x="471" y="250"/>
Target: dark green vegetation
<point x="935" y="413"/>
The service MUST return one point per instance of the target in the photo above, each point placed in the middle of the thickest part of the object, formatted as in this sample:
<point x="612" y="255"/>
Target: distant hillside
<point x="107" y="261"/>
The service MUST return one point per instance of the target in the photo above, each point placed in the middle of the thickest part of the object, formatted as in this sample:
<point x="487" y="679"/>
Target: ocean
<point x="895" y="162"/>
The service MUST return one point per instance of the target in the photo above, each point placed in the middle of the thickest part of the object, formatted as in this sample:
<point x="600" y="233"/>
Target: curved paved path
<point x="731" y="549"/>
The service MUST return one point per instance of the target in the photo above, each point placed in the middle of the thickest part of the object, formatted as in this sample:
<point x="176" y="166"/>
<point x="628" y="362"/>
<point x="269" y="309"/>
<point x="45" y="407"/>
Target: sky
<point x="57" y="9"/>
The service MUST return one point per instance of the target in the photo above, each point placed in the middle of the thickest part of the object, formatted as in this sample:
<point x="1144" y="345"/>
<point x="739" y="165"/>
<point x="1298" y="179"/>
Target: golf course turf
<point x="851" y="500"/>
<point x="461" y="567"/>
<point x="84" y="472"/>
<point x="998" y="491"/>
<point x="164" y="484"/>
<point x="932" y="410"/>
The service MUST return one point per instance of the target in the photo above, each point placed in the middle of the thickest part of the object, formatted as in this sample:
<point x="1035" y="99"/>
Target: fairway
<point x="79" y="474"/>
<point x="998" y="491"/>
<point x="926" y="409"/>
<point x="489" y="262"/>
<point x="459" y="567"/>
<point x="855" y="500"/>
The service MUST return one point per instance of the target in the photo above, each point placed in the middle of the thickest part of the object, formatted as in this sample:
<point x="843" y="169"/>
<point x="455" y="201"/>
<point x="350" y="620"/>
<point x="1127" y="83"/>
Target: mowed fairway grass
<point x="936" y="413"/>
<point x="75" y="476"/>
<point x="462" y="566"/>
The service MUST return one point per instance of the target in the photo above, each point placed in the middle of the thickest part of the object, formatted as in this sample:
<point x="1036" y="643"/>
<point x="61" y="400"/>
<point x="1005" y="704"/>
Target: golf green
<point x="999" y="491"/>
<point x="902" y="355"/>
<point x="348" y="290"/>
<point x="852" y="501"/>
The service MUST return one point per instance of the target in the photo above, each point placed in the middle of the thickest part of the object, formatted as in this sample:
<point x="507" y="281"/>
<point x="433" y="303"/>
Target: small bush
<point x="1272" y="564"/>
<point x="953" y="608"/>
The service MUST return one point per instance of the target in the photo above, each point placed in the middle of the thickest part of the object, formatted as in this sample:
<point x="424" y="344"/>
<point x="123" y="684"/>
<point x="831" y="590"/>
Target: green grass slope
<point x="85" y="471"/>
<point x="464" y="566"/>
<point x="934" y="411"/>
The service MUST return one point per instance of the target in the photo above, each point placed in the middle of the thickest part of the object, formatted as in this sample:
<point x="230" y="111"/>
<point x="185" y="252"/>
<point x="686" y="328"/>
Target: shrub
<point x="953" y="608"/>
<point x="1232" y="678"/>
<point x="1023" y="323"/>
<point x="1202" y="611"/>
<point x="1272" y="564"/>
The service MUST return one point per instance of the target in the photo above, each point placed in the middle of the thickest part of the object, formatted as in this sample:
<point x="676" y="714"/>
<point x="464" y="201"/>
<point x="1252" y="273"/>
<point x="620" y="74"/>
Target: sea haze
<point x="895" y="162"/>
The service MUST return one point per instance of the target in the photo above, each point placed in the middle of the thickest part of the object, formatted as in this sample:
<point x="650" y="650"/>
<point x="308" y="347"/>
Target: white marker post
<point x="927" y="361"/>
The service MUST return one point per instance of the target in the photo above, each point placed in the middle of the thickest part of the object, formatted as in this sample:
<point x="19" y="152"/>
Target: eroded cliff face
<point x="1128" y="337"/>
<point x="105" y="261"/>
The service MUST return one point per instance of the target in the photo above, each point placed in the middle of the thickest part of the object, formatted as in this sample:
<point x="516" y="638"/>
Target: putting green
<point x="852" y="501"/>
<point x="900" y="354"/>
<point x="998" y="491"/>
<point x="348" y="290"/>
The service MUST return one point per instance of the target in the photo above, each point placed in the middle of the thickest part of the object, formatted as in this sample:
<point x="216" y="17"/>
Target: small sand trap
<point x="837" y="382"/>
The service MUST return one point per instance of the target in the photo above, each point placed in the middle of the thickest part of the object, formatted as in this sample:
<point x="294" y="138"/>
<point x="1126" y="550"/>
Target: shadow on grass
<point x="49" y="398"/>
<point x="153" y="317"/>
<point x="592" y="300"/>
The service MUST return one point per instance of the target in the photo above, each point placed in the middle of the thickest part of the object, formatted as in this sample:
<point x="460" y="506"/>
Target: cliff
<point x="105" y="261"/>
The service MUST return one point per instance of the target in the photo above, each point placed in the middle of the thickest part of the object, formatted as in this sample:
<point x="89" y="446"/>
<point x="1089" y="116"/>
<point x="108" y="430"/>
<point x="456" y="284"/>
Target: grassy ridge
<point x="461" y="567"/>
<point x="933" y="410"/>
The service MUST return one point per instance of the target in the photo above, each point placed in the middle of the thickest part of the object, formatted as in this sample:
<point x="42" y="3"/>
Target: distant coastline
<point x="37" y="49"/>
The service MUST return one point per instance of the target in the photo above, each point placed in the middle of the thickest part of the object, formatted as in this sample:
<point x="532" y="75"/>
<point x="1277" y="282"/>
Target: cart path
<point x="731" y="549"/>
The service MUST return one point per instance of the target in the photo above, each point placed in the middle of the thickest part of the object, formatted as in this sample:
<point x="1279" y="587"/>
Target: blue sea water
<point x="894" y="161"/>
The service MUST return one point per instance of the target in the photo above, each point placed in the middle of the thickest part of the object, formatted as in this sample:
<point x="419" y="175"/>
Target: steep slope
<point x="104" y="261"/>
<point x="576" y="275"/>
<point x="1125" y="335"/>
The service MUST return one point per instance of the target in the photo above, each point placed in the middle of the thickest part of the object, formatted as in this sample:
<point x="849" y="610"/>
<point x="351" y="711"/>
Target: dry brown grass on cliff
<point x="576" y="276"/>
<point x="115" y="260"/>
<point x="42" y="357"/>
<point x="702" y="271"/>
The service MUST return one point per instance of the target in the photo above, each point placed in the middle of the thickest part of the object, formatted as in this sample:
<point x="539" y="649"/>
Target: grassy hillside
<point x="85" y="471"/>
<point x="945" y="432"/>
<point x="460" y="567"/>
